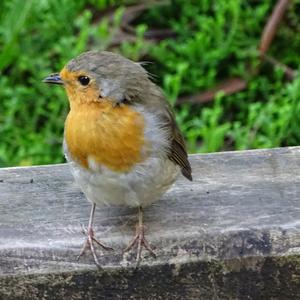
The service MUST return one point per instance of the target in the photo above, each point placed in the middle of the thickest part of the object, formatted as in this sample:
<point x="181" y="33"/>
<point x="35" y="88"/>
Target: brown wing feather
<point x="178" y="152"/>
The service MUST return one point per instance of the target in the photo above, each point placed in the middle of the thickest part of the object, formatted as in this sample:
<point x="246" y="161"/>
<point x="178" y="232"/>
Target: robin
<point x="120" y="137"/>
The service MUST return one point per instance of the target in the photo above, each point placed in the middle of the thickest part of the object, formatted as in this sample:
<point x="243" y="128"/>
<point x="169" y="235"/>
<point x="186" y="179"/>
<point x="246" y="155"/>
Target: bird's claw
<point x="140" y="241"/>
<point x="89" y="243"/>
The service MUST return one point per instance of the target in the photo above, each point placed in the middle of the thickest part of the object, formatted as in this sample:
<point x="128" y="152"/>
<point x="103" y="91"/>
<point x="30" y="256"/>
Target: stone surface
<point x="233" y="233"/>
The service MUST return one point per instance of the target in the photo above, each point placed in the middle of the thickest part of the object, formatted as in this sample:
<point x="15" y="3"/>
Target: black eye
<point x="84" y="80"/>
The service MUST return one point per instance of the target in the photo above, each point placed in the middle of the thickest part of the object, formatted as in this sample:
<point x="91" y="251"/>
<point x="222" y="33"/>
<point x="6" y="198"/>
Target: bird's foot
<point x="140" y="241"/>
<point x="90" y="244"/>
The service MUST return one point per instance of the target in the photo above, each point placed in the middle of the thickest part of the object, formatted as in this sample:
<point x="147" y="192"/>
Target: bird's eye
<point x="84" y="80"/>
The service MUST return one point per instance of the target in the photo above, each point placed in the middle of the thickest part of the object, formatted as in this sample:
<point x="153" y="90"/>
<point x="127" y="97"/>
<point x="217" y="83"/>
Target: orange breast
<point x="111" y="136"/>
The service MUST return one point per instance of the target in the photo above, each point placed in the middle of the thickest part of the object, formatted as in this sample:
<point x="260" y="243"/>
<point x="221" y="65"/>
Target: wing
<point x="179" y="156"/>
<point x="156" y="99"/>
<point x="177" y="152"/>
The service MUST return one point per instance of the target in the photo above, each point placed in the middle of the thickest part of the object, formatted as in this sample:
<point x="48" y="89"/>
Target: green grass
<point x="214" y="40"/>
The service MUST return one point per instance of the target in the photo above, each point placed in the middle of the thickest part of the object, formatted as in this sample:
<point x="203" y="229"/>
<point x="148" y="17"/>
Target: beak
<point x="54" y="79"/>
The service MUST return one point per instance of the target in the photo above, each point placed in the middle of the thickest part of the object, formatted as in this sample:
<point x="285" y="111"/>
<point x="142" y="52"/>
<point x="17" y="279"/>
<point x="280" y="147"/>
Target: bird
<point x="120" y="138"/>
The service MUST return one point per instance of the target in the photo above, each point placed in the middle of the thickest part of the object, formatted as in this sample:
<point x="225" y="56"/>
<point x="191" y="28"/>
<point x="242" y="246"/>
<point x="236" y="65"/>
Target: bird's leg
<point x="90" y="240"/>
<point x="139" y="239"/>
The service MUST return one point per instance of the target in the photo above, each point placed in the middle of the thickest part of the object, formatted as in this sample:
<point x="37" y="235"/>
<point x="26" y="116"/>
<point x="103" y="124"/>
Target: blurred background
<point x="229" y="68"/>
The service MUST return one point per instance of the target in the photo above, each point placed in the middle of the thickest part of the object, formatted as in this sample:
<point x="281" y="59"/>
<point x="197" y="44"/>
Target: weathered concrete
<point x="233" y="233"/>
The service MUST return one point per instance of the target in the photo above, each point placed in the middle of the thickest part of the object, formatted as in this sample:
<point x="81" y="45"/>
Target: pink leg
<point x="89" y="243"/>
<point x="139" y="239"/>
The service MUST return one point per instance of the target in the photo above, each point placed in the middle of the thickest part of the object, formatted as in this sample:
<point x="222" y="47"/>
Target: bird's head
<point x="94" y="76"/>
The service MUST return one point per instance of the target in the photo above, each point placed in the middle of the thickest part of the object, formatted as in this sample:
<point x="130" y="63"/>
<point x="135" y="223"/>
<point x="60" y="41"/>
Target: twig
<point x="272" y="25"/>
<point x="289" y="72"/>
<point x="127" y="32"/>
<point x="132" y="12"/>
<point x="228" y="87"/>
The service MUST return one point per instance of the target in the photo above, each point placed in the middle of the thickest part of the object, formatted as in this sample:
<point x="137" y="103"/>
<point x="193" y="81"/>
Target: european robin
<point x="120" y="137"/>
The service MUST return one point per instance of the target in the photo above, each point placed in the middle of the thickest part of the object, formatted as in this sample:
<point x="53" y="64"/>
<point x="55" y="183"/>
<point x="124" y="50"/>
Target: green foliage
<point x="218" y="40"/>
<point x="38" y="38"/>
<point x="214" y="40"/>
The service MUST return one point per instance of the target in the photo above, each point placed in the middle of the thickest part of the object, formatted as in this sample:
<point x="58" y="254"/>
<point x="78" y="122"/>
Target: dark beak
<point x="54" y="79"/>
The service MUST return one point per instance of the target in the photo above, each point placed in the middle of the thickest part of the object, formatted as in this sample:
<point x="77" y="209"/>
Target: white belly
<point x="142" y="186"/>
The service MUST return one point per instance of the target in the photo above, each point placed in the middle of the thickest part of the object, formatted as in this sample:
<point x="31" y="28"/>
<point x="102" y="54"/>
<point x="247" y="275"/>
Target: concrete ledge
<point x="233" y="233"/>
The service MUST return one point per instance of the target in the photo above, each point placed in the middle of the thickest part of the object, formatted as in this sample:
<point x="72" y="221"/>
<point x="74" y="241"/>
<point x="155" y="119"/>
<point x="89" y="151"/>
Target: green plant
<point x="214" y="40"/>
